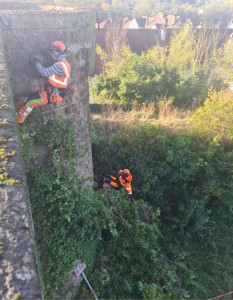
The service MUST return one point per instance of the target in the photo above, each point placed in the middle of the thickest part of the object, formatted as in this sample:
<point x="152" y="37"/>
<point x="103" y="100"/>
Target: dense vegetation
<point x="176" y="240"/>
<point x="184" y="170"/>
<point x="65" y="214"/>
<point x="186" y="69"/>
<point x="189" y="178"/>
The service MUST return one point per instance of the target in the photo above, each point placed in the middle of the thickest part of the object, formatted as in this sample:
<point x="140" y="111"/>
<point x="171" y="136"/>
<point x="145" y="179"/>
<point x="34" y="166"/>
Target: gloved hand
<point x="33" y="60"/>
<point x="131" y="197"/>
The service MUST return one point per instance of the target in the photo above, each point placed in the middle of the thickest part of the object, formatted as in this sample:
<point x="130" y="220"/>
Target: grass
<point x="163" y="113"/>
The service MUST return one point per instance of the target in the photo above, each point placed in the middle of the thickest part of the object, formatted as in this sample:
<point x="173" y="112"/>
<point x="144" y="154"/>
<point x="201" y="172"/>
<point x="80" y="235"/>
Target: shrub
<point x="215" y="117"/>
<point x="129" y="263"/>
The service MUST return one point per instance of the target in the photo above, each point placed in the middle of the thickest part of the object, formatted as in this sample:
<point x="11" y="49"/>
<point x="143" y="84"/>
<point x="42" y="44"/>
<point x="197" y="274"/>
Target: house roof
<point x="169" y="21"/>
<point x="104" y="24"/>
<point x="161" y="20"/>
<point x="141" y="22"/>
<point x="157" y="20"/>
<point x="127" y="24"/>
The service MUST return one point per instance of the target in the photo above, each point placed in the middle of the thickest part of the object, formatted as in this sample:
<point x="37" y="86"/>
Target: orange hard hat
<point x="58" y="46"/>
<point x="124" y="172"/>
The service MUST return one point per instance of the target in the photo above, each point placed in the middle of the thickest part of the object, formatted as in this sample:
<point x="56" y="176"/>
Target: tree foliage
<point x="189" y="177"/>
<point x="129" y="261"/>
<point x="184" y="70"/>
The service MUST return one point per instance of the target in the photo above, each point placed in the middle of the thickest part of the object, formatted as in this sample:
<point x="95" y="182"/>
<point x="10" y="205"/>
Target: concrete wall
<point x="31" y="33"/>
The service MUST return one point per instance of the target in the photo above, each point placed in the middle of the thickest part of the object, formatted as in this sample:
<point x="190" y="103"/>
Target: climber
<point x="57" y="81"/>
<point x="124" y="179"/>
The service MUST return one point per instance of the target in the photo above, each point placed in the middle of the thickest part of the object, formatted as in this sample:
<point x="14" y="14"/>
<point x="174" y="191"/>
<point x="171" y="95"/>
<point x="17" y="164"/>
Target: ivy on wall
<point x="65" y="213"/>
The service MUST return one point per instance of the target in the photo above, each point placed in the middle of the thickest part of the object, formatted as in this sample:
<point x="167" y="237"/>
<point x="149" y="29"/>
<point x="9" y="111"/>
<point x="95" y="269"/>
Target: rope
<point x="102" y="141"/>
<point x="61" y="107"/>
<point x="221" y="295"/>
<point x="110" y="109"/>
<point x="100" y="129"/>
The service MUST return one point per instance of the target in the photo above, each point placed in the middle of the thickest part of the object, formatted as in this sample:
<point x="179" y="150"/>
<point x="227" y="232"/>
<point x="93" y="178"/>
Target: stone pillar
<point x="31" y="33"/>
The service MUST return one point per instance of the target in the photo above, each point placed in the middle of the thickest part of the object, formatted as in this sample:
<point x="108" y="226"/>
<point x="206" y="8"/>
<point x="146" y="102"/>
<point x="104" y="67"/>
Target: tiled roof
<point x="157" y="20"/>
<point x="141" y="22"/>
<point x="104" y="24"/>
<point x="126" y="26"/>
<point x="161" y="20"/>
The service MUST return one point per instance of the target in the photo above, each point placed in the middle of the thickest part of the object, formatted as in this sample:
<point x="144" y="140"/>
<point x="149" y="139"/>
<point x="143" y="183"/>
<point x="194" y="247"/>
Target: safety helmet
<point x="124" y="172"/>
<point x="58" y="47"/>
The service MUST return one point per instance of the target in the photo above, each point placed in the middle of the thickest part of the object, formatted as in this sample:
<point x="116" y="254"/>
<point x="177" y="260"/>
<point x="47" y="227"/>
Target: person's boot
<point x="22" y="114"/>
<point x="21" y="117"/>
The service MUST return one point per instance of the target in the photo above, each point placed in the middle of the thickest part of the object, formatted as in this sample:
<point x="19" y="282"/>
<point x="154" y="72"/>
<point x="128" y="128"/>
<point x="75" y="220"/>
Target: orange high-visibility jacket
<point x="126" y="182"/>
<point x="61" y="82"/>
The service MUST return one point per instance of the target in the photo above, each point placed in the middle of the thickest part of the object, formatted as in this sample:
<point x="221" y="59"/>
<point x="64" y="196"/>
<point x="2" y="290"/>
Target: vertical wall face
<point x="18" y="270"/>
<point x="31" y="33"/>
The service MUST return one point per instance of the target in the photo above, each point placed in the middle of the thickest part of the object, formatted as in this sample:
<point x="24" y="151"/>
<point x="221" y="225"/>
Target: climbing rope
<point x="221" y="295"/>
<point x="110" y="109"/>
<point x="102" y="139"/>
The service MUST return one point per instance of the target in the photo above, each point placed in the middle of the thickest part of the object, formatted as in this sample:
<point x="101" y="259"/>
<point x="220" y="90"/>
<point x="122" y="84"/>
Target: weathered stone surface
<point x="18" y="270"/>
<point x="31" y="33"/>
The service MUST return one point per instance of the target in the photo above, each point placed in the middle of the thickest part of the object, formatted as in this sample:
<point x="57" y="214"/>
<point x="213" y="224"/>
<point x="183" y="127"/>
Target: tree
<point x="148" y="7"/>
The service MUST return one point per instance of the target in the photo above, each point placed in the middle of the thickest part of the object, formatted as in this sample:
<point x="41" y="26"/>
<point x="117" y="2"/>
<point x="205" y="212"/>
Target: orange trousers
<point x="36" y="99"/>
<point x="113" y="182"/>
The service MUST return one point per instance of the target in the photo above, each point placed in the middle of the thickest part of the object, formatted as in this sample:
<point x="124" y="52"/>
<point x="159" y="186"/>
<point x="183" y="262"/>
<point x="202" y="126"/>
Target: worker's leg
<point x="37" y="99"/>
<point x="119" y="185"/>
<point x="112" y="181"/>
<point x="108" y="178"/>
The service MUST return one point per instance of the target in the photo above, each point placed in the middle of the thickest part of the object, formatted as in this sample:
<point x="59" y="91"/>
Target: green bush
<point x="215" y="117"/>
<point x="139" y="79"/>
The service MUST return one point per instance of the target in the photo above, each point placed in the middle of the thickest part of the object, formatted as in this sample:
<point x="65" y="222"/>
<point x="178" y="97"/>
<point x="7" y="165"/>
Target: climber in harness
<point x="124" y="180"/>
<point x="57" y="81"/>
